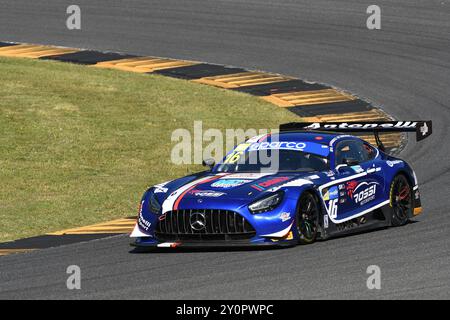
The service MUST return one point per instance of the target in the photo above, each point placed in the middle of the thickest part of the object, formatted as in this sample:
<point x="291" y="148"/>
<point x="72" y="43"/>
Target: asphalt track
<point x="404" y="67"/>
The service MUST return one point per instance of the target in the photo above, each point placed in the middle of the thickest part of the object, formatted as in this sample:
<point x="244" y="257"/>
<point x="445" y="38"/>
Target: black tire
<point x="401" y="200"/>
<point x="307" y="217"/>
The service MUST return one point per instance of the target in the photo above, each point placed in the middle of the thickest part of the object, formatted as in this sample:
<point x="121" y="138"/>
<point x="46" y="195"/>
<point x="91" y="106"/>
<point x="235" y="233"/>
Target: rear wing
<point x="423" y="129"/>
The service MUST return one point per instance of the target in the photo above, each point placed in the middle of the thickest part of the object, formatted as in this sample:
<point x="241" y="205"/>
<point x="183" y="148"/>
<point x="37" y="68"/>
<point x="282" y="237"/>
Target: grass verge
<point x="79" y="145"/>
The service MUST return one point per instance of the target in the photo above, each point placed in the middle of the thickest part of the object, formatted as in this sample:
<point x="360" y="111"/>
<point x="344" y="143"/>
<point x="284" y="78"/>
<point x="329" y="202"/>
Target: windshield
<point x="273" y="161"/>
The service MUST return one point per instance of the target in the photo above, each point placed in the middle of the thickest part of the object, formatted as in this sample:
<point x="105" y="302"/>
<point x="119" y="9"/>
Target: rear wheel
<point x="401" y="200"/>
<point x="307" y="218"/>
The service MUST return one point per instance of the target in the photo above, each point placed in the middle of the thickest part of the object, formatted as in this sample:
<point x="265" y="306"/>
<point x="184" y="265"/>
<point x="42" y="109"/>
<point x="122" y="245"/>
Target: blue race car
<point x="310" y="181"/>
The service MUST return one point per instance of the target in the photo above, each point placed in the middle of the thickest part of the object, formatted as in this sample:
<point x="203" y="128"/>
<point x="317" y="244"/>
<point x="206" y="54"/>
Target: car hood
<point x="209" y="187"/>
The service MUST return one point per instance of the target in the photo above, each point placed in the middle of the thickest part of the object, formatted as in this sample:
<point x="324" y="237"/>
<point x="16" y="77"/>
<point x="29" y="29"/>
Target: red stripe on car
<point x="180" y="197"/>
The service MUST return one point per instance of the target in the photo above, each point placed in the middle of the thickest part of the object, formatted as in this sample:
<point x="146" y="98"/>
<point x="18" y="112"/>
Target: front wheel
<point x="401" y="200"/>
<point x="307" y="218"/>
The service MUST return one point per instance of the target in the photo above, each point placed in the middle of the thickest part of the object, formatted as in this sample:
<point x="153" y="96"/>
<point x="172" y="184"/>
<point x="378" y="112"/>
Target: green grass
<point x="79" y="145"/>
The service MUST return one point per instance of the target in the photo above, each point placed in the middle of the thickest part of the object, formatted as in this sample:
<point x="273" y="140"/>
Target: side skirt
<point x="379" y="218"/>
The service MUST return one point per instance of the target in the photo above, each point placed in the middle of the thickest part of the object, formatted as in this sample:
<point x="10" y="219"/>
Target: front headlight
<point x="155" y="207"/>
<point x="267" y="204"/>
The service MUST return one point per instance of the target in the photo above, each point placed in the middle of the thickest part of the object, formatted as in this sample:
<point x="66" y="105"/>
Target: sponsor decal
<point x="160" y="187"/>
<point x="350" y="187"/>
<point x="357" y="169"/>
<point x="325" y="221"/>
<point x="229" y="183"/>
<point x="141" y="205"/>
<point x="393" y="163"/>
<point x="372" y="170"/>
<point x="160" y="190"/>
<point x="332" y="205"/>
<point x="278" y="145"/>
<point x="342" y="197"/>
<point x="142" y="222"/>
<point x="313" y="177"/>
<point x="249" y="175"/>
<point x="206" y="193"/>
<point x="285" y="216"/>
<point x="345" y="125"/>
<point x="331" y="194"/>
<point x="424" y="129"/>
<point x="363" y="192"/>
<point x="312" y="147"/>
<point x="268" y="183"/>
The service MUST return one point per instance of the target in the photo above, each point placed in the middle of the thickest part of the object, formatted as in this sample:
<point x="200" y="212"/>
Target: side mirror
<point x="351" y="162"/>
<point x="209" y="163"/>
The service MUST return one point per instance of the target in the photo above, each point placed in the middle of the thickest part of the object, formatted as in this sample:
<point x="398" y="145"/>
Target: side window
<point x="349" y="149"/>
<point x="369" y="151"/>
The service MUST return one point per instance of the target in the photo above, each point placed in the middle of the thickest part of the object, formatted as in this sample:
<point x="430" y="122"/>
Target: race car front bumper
<point x="150" y="242"/>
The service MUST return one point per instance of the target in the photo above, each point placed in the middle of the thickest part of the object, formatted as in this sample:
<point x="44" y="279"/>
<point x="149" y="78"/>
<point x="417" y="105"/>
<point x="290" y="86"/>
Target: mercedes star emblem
<point x="197" y="221"/>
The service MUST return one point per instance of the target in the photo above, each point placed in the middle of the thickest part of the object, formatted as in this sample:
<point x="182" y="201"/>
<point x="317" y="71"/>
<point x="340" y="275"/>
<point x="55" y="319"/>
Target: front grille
<point x="204" y="224"/>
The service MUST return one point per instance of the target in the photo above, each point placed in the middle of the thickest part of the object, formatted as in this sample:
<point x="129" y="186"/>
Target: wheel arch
<point x="404" y="172"/>
<point x="410" y="181"/>
<point x="316" y="193"/>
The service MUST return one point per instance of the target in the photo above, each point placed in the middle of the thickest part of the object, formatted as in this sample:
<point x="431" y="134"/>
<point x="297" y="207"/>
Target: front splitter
<point x="213" y="244"/>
